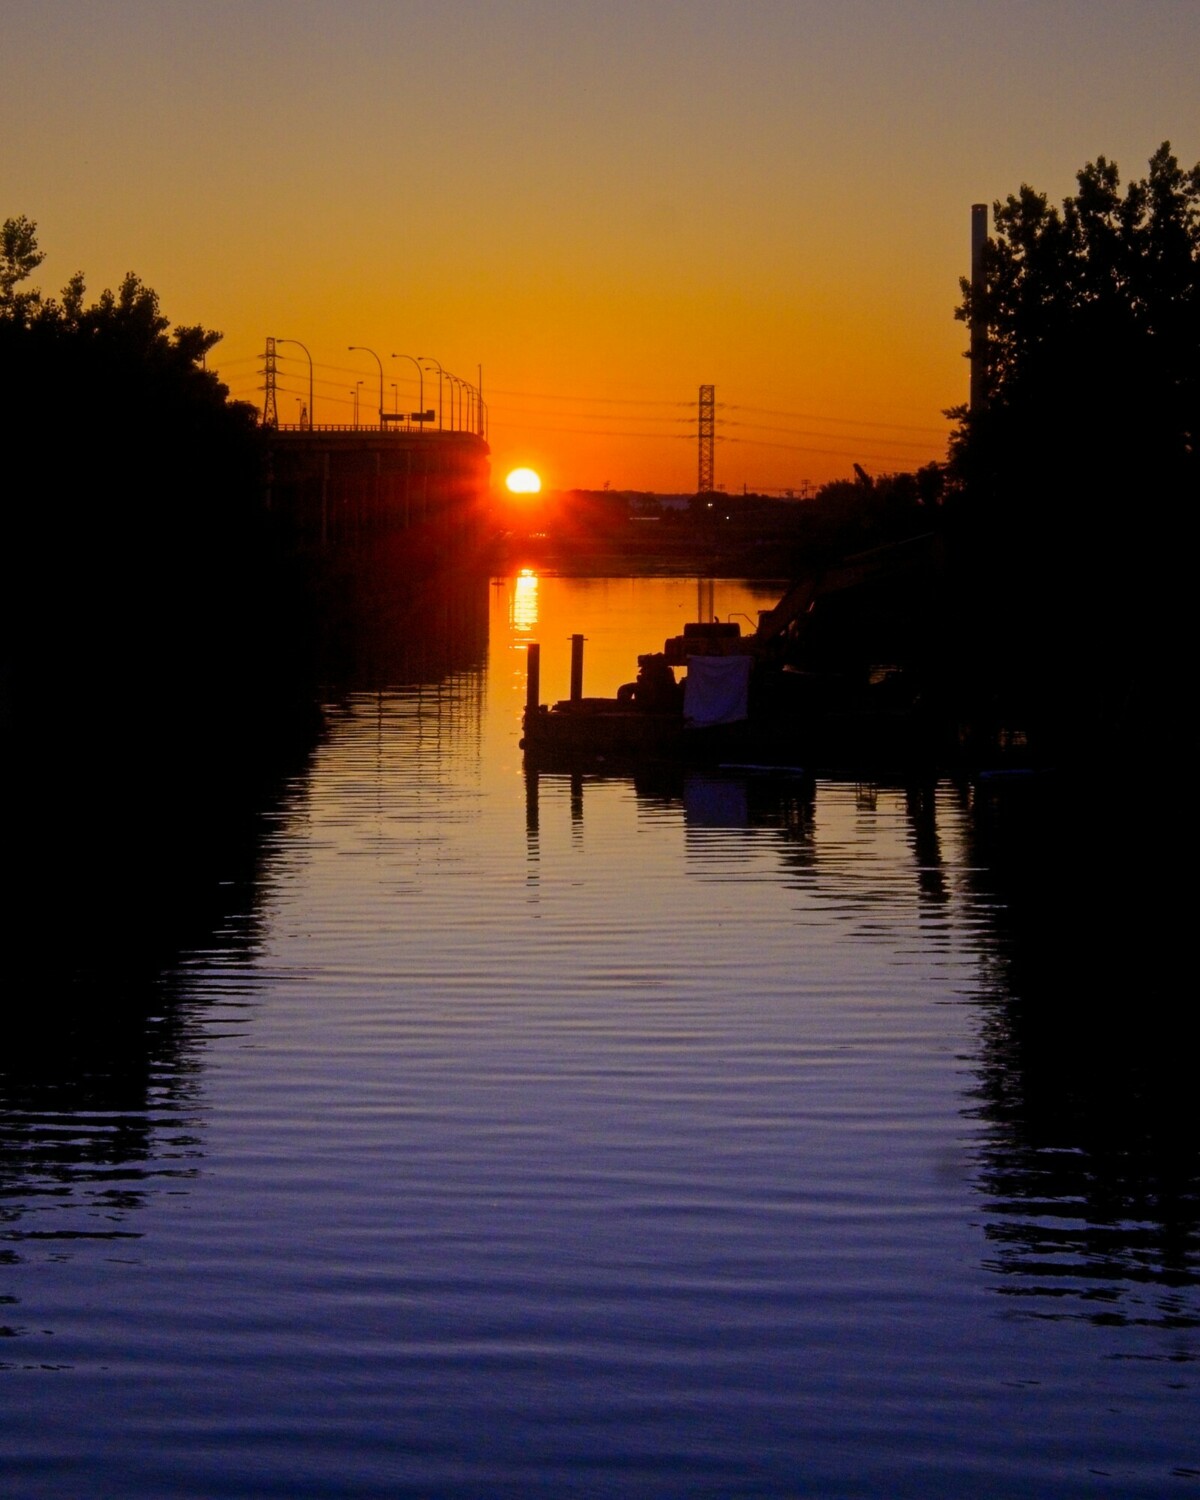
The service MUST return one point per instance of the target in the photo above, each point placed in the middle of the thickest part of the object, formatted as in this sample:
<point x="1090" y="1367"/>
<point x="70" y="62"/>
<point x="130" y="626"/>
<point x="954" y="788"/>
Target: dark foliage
<point x="153" y="687"/>
<point x="1076" y="479"/>
<point x="133" y="508"/>
<point x="112" y="417"/>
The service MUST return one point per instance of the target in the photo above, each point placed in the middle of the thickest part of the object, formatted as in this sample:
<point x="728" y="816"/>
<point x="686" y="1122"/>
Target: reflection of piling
<point x="979" y="338"/>
<point x="576" y="802"/>
<point x="576" y="668"/>
<point x="533" y="676"/>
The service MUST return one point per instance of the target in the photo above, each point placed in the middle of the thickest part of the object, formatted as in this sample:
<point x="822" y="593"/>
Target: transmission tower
<point x="270" y="416"/>
<point x="707" y="428"/>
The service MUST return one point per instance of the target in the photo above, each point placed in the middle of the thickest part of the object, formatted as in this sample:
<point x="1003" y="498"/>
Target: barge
<point x="743" y="700"/>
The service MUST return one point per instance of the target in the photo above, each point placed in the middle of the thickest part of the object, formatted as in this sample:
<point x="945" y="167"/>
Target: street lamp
<point x="472" y="406"/>
<point x="464" y="419"/>
<point x="395" y="399"/>
<point x="420" y="384"/>
<point x="441" y="372"/>
<point x="362" y="348"/>
<point x="299" y="345"/>
<point x="467" y="420"/>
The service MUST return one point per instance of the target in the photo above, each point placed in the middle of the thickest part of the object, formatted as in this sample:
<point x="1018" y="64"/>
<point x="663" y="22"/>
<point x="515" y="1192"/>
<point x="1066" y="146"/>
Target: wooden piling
<point x="533" y="676"/>
<point x="576" y="668"/>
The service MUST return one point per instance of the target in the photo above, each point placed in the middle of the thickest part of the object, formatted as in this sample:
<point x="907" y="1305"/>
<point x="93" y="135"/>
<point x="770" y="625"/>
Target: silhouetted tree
<point x="152" y="673"/>
<point x="106" y="394"/>
<point x="1077" y="476"/>
<point x="19" y="258"/>
<point x="1093" y="319"/>
<point x="135" y="538"/>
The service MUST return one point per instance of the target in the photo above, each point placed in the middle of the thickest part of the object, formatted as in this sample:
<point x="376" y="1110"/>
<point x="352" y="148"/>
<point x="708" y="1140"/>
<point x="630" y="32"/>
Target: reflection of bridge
<point x="338" y="485"/>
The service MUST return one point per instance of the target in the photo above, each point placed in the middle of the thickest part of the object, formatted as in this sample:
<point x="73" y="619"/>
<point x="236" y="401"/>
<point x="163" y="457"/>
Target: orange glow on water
<point x="524" y="613"/>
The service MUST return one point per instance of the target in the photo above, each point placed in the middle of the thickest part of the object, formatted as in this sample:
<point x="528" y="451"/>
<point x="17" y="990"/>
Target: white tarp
<point x="716" y="690"/>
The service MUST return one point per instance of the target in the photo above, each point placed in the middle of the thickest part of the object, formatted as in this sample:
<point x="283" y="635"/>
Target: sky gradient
<point x="601" y="206"/>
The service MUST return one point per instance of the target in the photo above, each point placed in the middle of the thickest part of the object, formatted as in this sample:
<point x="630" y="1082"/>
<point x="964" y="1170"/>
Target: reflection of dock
<point x="713" y="798"/>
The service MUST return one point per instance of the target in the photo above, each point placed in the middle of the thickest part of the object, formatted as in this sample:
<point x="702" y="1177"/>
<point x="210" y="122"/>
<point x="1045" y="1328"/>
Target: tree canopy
<point x="133" y="510"/>
<point x="106" y="390"/>
<point x="1075" y="479"/>
<point x="1092" y="313"/>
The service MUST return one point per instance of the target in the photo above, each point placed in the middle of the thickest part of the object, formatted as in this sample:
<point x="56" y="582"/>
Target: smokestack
<point x="979" y="338"/>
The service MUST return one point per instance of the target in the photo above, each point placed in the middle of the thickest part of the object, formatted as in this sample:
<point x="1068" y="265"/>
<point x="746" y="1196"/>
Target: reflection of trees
<point x="1091" y="1152"/>
<point x="143" y="848"/>
<point x="100" y="1061"/>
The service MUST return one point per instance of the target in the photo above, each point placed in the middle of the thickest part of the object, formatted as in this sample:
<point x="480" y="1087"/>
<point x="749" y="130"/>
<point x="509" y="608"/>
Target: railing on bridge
<point x="413" y="429"/>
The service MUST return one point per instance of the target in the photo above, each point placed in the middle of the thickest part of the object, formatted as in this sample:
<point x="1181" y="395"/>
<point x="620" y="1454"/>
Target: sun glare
<point x="523" y="482"/>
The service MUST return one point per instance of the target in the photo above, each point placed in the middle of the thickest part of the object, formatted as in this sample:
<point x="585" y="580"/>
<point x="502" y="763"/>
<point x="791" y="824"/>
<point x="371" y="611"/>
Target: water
<point x="693" y="1136"/>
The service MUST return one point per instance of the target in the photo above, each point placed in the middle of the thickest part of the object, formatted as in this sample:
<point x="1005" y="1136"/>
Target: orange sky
<point x="602" y="206"/>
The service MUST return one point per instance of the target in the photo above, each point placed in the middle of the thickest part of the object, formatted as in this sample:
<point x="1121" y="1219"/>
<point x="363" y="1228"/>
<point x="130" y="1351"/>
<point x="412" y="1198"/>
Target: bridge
<point x="350" y="485"/>
<point x="345" y="486"/>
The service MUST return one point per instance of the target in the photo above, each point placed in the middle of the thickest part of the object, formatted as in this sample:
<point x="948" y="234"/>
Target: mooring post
<point x="533" y="676"/>
<point x="576" y="668"/>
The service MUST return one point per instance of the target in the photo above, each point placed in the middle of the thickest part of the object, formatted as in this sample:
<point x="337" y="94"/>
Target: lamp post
<point x="362" y="349"/>
<point x="467" y="419"/>
<point x="441" y="372"/>
<point x="395" y="399"/>
<point x="455" y="385"/>
<point x="299" y="345"/>
<point x="465" y="388"/>
<point x="420" y="384"/>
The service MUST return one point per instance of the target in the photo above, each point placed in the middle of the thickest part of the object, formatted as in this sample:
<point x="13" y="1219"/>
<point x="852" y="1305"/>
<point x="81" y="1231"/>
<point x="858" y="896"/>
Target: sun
<point x="523" y="482"/>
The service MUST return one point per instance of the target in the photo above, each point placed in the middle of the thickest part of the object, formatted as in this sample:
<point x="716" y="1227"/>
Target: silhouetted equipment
<point x="979" y="338"/>
<point x="655" y="691"/>
<point x="706" y="428"/>
<point x="863" y="477"/>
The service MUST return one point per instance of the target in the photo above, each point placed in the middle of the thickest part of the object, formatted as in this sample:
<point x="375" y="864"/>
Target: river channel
<point x="708" y="1135"/>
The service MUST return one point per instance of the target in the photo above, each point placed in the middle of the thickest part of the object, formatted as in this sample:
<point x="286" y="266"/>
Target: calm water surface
<point x="694" y="1136"/>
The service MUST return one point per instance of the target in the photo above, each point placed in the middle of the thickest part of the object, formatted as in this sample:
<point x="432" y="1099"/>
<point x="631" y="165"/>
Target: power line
<point x="793" y="432"/>
<point x="801" y="416"/>
<point x="851" y="453"/>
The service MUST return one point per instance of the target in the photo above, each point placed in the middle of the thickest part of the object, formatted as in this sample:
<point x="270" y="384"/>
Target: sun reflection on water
<point x="524" y="612"/>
